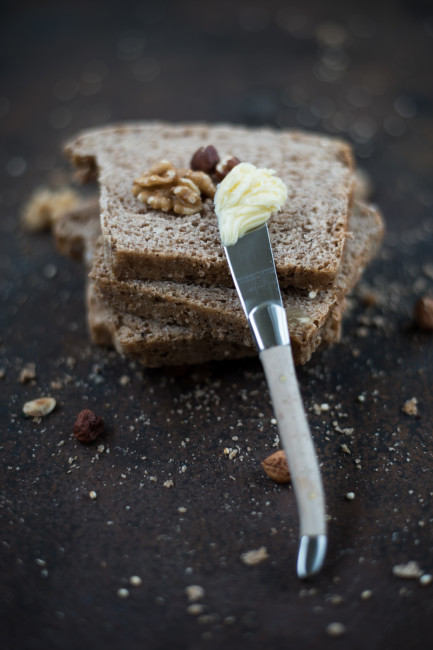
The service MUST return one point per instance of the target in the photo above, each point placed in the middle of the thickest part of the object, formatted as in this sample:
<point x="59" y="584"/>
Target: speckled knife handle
<point x="296" y="438"/>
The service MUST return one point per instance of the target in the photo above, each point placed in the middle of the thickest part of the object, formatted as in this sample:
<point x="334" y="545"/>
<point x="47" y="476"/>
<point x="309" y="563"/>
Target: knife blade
<point x="253" y="270"/>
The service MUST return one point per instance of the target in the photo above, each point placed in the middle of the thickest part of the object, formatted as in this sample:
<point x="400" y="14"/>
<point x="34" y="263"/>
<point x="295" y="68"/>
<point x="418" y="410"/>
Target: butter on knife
<point x="245" y="200"/>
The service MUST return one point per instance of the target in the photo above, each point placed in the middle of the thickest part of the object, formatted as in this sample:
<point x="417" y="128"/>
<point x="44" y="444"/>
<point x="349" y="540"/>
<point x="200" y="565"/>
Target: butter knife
<point x="252" y="267"/>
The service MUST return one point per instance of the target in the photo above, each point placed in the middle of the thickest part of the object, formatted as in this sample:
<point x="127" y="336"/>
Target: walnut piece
<point x="166" y="188"/>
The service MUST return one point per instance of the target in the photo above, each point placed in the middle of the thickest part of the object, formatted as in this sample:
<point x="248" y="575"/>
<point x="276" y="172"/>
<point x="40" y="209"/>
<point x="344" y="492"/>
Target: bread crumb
<point x="37" y="408"/>
<point x="366" y="594"/>
<point x="123" y="593"/>
<point x="28" y="373"/>
<point x="194" y="593"/>
<point x="410" y="407"/>
<point x="92" y="495"/>
<point x="335" y="629"/>
<point x="195" y="609"/>
<point x="409" y="570"/>
<point x="251" y="558"/>
<point x="426" y="579"/>
<point x="135" y="581"/>
<point x="46" y="206"/>
<point x="169" y="483"/>
<point x="350" y="496"/>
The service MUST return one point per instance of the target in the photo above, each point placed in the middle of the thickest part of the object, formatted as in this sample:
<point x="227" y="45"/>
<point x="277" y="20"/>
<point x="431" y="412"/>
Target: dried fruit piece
<point x="37" y="408"/>
<point x="88" y="426"/>
<point x="205" y="159"/>
<point x="276" y="467"/>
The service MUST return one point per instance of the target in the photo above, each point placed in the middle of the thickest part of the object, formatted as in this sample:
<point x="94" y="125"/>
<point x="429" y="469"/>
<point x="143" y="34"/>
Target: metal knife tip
<point x="311" y="555"/>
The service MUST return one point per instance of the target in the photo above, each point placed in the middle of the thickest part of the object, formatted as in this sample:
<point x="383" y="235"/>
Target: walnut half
<point x="166" y="188"/>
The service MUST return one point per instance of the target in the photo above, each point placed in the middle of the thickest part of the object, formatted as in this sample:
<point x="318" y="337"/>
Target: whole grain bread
<point x="153" y="342"/>
<point x="156" y="344"/>
<point x="307" y="236"/>
<point x="217" y="310"/>
<point x="76" y="231"/>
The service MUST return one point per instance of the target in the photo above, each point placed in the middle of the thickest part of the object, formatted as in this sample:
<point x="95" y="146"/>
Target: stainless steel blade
<point x="252" y="266"/>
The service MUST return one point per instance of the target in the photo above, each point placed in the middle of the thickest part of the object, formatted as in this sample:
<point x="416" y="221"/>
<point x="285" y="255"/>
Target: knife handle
<point x="296" y="438"/>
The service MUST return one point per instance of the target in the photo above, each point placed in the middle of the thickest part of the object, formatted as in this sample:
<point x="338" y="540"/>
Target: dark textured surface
<point x="63" y="556"/>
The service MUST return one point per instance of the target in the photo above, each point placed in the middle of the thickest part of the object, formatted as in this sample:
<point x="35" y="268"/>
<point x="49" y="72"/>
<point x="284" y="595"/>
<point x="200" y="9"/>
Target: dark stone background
<point x="359" y="71"/>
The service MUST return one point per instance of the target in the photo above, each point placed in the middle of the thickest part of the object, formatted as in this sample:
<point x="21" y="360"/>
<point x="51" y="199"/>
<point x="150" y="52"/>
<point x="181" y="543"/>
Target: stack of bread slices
<point x="159" y="289"/>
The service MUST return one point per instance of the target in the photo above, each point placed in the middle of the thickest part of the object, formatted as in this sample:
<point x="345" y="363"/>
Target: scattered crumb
<point x="336" y="599"/>
<point x="46" y="206"/>
<point x="409" y="570"/>
<point x="38" y="408"/>
<point x="124" y="380"/>
<point x="194" y="593"/>
<point x="366" y="594"/>
<point x="181" y="509"/>
<point x="123" y="593"/>
<point x="135" y="581"/>
<point x="410" y="407"/>
<point x="426" y="579"/>
<point x="92" y="495"/>
<point x="169" y="483"/>
<point x="195" y="609"/>
<point x="28" y="373"/>
<point x="335" y="629"/>
<point x="251" y="558"/>
<point x="345" y="449"/>
<point x="350" y="496"/>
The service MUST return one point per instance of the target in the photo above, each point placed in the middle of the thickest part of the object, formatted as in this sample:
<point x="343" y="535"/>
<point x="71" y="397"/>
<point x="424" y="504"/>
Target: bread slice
<point x="217" y="310"/>
<point x="307" y="236"/>
<point x="76" y="231"/>
<point x="156" y="344"/>
<point x="152" y="342"/>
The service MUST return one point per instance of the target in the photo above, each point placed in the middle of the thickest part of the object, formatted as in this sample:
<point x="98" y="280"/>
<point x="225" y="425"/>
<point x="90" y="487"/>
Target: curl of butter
<point x="245" y="199"/>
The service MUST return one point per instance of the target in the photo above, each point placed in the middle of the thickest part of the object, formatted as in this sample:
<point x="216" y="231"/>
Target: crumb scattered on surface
<point x="195" y="609"/>
<point x="350" y="496"/>
<point x="28" y="373"/>
<point x="194" y="593"/>
<point x="251" y="558"/>
<point x="335" y="629"/>
<point x="46" y="206"/>
<point x="169" y="483"/>
<point x="366" y="594"/>
<point x="426" y="579"/>
<point x="409" y="570"/>
<point x="93" y="495"/>
<point x="123" y="593"/>
<point x="135" y="581"/>
<point x="410" y="407"/>
<point x="40" y="407"/>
